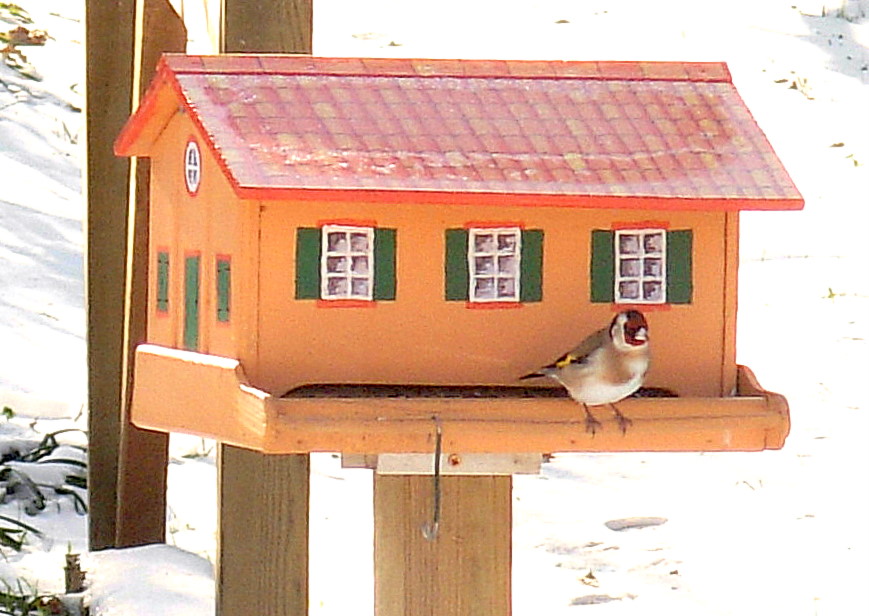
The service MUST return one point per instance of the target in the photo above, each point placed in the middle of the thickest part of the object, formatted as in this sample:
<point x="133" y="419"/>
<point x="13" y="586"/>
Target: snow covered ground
<point x="42" y="276"/>
<point x="781" y="532"/>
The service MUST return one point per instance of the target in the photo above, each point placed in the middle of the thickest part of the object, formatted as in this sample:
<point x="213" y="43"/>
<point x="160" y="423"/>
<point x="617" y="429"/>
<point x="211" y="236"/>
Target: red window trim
<point x="490" y="224"/>
<point x="346" y="222"/>
<point x="345" y="303"/>
<point x="640" y="224"/>
<point x="493" y="305"/>
<point x="642" y="307"/>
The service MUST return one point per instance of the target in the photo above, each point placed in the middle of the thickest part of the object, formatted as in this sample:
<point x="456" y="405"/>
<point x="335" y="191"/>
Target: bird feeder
<point x="348" y="253"/>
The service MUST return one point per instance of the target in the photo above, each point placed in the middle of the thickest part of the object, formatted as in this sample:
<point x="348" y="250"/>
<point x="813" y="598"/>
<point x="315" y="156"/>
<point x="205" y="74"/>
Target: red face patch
<point x="633" y="325"/>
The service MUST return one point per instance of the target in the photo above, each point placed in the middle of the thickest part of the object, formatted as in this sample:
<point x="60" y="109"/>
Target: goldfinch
<point x="606" y="367"/>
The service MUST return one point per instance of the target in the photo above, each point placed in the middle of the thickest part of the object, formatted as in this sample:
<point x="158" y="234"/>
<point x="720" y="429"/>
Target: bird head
<point x="629" y="330"/>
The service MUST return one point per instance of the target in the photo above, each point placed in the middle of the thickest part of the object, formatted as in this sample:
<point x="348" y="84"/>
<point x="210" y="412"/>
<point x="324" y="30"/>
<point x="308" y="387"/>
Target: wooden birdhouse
<point x="345" y="251"/>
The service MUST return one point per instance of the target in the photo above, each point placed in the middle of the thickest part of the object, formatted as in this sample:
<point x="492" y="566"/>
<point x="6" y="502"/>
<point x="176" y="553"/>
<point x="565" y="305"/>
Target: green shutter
<point x="603" y="269"/>
<point x="223" y="289"/>
<point x="191" y="303"/>
<point x="456" y="279"/>
<point x="308" y="246"/>
<point x="384" y="264"/>
<point x="163" y="281"/>
<point x="680" y="286"/>
<point x="531" y="264"/>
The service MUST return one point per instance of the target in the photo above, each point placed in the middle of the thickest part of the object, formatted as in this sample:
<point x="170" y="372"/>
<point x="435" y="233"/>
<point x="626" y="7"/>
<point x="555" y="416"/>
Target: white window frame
<point x="192" y="167"/>
<point x="497" y="257"/>
<point x="332" y="255"/>
<point x="642" y="275"/>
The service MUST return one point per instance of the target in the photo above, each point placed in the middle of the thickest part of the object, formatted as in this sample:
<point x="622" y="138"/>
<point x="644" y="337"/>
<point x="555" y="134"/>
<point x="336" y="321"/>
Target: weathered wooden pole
<point x="143" y="454"/>
<point x="268" y="26"/>
<point x="109" y="60"/>
<point x="465" y="569"/>
<point x="262" y="561"/>
<point x="127" y="466"/>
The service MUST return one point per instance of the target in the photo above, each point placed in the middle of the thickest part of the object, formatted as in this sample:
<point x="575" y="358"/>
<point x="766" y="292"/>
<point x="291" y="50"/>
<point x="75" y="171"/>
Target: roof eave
<point x="160" y="102"/>
<point x="429" y="197"/>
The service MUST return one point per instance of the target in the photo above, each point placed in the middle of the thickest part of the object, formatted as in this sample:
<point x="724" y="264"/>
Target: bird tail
<point x="532" y="375"/>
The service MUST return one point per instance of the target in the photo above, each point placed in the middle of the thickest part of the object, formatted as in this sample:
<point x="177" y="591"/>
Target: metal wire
<point x="430" y="529"/>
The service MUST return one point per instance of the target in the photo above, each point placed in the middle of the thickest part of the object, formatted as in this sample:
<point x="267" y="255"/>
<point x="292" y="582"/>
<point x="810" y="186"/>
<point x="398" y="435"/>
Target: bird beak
<point x="641" y="335"/>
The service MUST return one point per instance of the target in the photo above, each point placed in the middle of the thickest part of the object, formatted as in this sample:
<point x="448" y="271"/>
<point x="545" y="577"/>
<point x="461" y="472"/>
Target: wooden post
<point x="268" y="26"/>
<point x="262" y="552"/>
<point x="466" y="569"/>
<point x="263" y="534"/>
<point x="109" y="49"/>
<point x="143" y="454"/>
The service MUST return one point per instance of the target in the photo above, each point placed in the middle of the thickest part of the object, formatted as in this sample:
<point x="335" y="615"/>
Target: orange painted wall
<point x="420" y="337"/>
<point x="211" y="222"/>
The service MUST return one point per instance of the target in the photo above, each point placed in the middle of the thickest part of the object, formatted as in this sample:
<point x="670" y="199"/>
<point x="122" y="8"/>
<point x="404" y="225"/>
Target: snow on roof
<point x="674" y="135"/>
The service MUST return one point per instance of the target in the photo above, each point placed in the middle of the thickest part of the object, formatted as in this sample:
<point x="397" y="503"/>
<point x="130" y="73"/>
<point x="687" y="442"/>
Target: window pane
<point x="629" y="268"/>
<point x="507" y="265"/>
<point x="336" y="265"/>
<point x="358" y="242"/>
<point x="652" y="267"/>
<point x="629" y="244"/>
<point x="484" y="265"/>
<point x="629" y="289"/>
<point x="507" y="243"/>
<point x="484" y="242"/>
<point x="337" y="241"/>
<point x="360" y="265"/>
<point x="653" y="242"/>
<point x="484" y="288"/>
<point x="336" y="286"/>
<point x="506" y="287"/>
<point x="360" y="287"/>
<point x="653" y="291"/>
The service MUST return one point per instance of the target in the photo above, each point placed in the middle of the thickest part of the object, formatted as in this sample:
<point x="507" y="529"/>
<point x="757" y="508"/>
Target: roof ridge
<point x="593" y="70"/>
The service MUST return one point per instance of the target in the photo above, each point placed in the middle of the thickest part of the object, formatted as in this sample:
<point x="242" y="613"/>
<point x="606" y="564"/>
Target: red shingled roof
<point x="525" y="131"/>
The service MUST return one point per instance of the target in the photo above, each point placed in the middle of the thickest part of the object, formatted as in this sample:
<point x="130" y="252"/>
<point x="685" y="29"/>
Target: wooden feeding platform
<point x="180" y="391"/>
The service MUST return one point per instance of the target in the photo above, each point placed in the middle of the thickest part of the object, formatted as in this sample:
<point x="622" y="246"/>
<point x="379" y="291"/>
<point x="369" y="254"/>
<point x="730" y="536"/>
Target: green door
<point x="191" y="303"/>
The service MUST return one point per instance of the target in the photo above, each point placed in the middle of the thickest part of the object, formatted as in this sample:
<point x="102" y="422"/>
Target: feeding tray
<point x="209" y="396"/>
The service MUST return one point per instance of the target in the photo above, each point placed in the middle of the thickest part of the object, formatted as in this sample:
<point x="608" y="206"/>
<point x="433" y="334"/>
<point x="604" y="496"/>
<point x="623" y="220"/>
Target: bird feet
<point x="623" y="421"/>
<point x="591" y="422"/>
